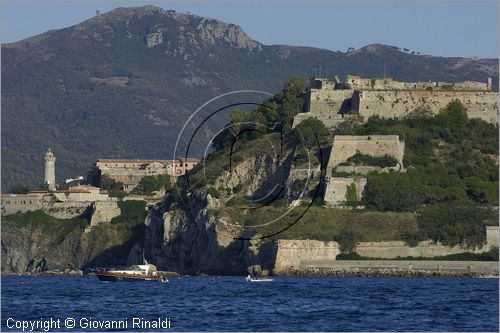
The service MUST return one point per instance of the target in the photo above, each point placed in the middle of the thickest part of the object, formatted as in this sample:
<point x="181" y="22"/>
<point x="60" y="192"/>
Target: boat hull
<point x="114" y="277"/>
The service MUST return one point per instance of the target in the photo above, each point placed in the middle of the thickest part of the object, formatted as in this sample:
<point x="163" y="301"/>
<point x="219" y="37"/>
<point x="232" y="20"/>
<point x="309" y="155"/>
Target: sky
<point x="446" y="28"/>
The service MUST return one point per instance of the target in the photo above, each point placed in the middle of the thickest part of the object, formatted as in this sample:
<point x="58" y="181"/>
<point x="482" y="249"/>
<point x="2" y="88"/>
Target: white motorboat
<point x="146" y="272"/>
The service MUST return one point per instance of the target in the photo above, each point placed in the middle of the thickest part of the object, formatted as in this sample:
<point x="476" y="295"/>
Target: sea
<point x="229" y="303"/>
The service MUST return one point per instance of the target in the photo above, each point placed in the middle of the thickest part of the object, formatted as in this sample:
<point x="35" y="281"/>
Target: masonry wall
<point x="394" y="249"/>
<point x="19" y="203"/>
<point x="294" y="254"/>
<point x="492" y="236"/>
<point x="397" y="104"/>
<point x="65" y="210"/>
<point x="336" y="188"/>
<point x="104" y="211"/>
<point x="330" y="120"/>
<point x="345" y="146"/>
<point x="329" y="101"/>
<point x="326" y="105"/>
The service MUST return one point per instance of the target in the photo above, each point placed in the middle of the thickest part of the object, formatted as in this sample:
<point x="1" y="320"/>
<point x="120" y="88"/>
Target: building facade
<point x="20" y="203"/>
<point x="129" y="172"/>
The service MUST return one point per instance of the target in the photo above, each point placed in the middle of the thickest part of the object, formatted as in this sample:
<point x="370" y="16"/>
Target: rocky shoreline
<point x="319" y="272"/>
<point x="396" y="268"/>
<point x="341" y="272"/>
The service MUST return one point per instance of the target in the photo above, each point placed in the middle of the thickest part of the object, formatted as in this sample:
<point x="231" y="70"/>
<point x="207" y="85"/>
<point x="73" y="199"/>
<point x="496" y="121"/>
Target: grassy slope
<point x="324" y="224"/>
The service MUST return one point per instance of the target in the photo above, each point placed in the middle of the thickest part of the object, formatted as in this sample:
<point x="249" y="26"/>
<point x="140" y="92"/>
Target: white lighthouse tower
<point x="50" y="170"/>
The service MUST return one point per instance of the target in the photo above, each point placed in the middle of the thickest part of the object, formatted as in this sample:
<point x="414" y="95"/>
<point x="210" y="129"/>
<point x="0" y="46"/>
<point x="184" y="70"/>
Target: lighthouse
<point x="50" y="170"/>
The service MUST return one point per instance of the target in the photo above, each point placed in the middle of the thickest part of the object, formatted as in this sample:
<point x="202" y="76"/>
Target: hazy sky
<point x="463" y="28"/>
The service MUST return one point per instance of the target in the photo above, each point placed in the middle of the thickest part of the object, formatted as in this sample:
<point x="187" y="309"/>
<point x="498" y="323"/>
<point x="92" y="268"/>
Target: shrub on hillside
<point x="364" y="159"/>
<point x="114" y="188"/>
<point x="311" y="131"/>
<point x="454" y="223"/>
<point x="149" y="184"/>
<point x="348" y="238"/>
<point x="392" y="191"/>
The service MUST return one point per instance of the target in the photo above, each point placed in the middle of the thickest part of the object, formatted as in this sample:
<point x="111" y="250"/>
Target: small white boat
<point x="257" y="279"/>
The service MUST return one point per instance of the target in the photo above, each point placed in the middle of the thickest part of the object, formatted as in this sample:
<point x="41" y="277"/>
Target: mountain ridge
<point x="120" y="84"/>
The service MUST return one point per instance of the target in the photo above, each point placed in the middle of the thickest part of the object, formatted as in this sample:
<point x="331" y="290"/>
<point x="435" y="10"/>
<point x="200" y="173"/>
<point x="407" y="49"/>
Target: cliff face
<point x="64" y="243"/>
<point x="191" y="239"/>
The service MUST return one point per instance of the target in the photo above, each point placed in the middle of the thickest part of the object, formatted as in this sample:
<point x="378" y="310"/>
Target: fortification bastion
<point x="332" y="102"/>
<point x="345" y="146"/>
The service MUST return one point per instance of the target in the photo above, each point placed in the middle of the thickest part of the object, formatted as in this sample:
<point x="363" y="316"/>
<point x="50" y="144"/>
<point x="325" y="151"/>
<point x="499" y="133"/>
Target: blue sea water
<point x="231" y="304"/>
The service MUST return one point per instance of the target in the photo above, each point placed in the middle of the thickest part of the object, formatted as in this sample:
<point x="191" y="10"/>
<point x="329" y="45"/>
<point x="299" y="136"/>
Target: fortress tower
<point x="50" y="170"/>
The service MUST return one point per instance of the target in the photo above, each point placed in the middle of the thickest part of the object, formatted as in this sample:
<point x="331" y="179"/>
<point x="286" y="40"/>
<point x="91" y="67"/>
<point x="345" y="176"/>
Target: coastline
<point x="357" y="268"/>
<point x="396" y="268"/>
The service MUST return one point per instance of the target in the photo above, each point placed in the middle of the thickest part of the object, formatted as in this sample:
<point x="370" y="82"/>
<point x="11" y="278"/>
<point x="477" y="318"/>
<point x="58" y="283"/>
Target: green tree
<point x="149" y="184"/>
<point x="114" y="188"/>
<point x="311" y="131"/>
<point x="455" y="114"/>
<point x="351" y="195"/>
<point x="454" y="223"/>
<point x="482" y="192"/>
<point x="293" y="90"/>
<point x="392" y="191"/>
<point x="348" y="239"/>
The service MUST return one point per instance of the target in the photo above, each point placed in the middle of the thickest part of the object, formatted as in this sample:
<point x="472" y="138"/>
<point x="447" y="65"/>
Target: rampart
<point x="297" y="254"/>
<point x="345" y="146"/>
<point x="336" y="188"/>
<point x="292" y="253"/>
<point x="322" y="102"/>
<point x="359" y="83"/>
<point x="104" y="211"/>
<point x="332" y="102"/>
<point x="65" y="210"/>
<point x="399" y="104"/>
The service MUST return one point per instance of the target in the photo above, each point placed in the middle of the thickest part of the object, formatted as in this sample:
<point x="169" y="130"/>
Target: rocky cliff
<point x="190" y="237"/>
<point x="70" y="242"/>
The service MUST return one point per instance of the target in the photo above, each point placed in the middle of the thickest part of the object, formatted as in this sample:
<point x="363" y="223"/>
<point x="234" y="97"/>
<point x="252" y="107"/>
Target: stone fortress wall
<point x="297" y="254"/>
<point x="345" y="146"/>
<point x="359" y="83"/>
<point x="332" y="102"/>
<point x="399" y="104"/>
<point x="336" y="189"/>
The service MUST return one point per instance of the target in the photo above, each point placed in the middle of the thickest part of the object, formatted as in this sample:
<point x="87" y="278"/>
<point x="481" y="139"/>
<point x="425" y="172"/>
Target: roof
<point x="90" y="187"/>
<point x="72" y="191"/>
<point x="189" y="159"/>
<point x="184" y="159"/>
<point x="14" y="195"/>
<point x="131" y="161"/>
